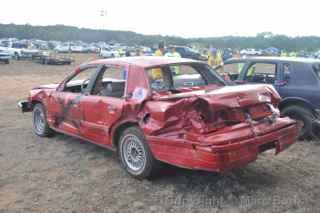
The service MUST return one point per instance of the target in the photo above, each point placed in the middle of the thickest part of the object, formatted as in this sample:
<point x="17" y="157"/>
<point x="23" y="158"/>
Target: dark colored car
<point x="227" y="54"/>
<point x="297" y="80"/>
<point x="141" y="108"/>
<point x="54" y="59"/>
<point x="187" y="52"/>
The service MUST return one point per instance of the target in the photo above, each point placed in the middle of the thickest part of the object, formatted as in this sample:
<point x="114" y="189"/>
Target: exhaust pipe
<point x="316" y="129"/>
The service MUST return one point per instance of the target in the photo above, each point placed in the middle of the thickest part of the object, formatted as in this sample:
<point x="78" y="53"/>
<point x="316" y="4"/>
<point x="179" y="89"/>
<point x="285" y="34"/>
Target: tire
<point x="16" y="56"/>
<point x="301" y="114"/>
<point x="134" y="147"/>
<point x="39" y="119"/>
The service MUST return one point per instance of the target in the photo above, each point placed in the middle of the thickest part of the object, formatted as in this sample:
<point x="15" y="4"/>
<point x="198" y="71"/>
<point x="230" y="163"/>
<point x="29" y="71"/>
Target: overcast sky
<point x="192" y="18"/>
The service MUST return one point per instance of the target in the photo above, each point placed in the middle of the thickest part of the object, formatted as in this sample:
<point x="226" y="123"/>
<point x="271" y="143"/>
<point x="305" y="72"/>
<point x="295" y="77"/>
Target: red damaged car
<point x="173" y="110"/>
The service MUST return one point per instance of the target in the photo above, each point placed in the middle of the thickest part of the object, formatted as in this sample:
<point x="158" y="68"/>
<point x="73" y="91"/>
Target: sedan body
<point x="160" y="109"/>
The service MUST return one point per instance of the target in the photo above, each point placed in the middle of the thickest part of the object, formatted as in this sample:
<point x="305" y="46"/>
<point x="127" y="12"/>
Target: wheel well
<point x="300" y="103"/>
<point x="33" y="103"/>
<point x="119" y="130"/>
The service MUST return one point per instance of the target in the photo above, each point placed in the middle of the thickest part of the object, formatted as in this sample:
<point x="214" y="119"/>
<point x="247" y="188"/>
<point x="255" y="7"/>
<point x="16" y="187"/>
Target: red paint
<point x="201" y="128"/>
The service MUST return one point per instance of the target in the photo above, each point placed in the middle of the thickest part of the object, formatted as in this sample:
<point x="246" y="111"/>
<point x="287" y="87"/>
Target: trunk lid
<point x="231" y="96"/>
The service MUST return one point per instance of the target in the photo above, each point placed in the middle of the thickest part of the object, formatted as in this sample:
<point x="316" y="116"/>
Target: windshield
<point x="178" y="77"/>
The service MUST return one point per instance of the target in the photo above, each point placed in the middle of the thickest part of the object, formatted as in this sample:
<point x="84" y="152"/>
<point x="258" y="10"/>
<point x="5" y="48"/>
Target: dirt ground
<point x="63" y="174"/>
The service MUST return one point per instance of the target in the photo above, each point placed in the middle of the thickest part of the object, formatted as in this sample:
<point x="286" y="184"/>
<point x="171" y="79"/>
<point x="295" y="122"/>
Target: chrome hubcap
<point x="39" y="120"/>
<point x="133" y="152"/>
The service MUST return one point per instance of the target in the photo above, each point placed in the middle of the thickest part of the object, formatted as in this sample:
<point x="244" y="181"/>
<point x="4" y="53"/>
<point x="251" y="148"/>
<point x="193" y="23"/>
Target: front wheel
<point x="40" y="124"/>
<point x="135" y="155"/>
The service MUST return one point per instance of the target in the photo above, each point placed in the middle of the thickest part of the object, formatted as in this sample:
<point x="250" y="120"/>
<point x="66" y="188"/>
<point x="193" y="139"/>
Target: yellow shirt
<point x="158" y="53"/>
<point x="214" y="60"/>
<point x="157" y="72"/>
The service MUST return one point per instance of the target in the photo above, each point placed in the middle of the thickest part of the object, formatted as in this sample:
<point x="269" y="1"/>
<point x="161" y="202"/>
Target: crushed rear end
<point x="217" y="130"/>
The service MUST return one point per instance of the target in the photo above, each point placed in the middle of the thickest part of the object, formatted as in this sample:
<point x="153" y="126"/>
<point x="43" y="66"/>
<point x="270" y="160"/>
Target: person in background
<point x="127" y="54"/>
<point x="293" y="54"/>
<point x="156" y="73"/>
<point x="214" y="58"/>
<point x="173" y="53"/>
<point x="284" y="54"/>
<point x="160" y="50"/>
<point x="237" y="55"/>
<point x="139" y="52"/>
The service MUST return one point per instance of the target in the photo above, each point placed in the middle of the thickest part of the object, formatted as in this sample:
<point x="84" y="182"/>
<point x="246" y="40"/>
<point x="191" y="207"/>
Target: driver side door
<point x="64" y="104"/>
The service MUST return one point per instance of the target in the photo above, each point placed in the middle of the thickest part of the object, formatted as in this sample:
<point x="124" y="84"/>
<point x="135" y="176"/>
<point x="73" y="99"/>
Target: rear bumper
<point x="24" y="106"/>
<point x="227" y="157"/>
<point x="224" y="157"/>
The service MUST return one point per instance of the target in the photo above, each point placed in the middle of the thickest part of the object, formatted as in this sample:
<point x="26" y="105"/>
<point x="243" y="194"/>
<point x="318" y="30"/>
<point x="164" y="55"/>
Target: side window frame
<point x="251" y="63"/>
<point x="92" y="80"/>
<point x="195" y="70"/>
<point x="240" y="71"/>
<point x="104" y="68"/>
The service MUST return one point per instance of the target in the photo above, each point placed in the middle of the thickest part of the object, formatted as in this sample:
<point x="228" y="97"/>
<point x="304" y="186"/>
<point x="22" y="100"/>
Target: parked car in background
<point x="187" y="52"/>
<point x="14" y="52"/>
<point x="62" y="48"/>
<point x="108" y="53"/>
<point x="271" y="51"/>
<point x="51" y="58"/>
<point x="77" y="49"/>
<point x="296" y="79"/>
<point x="5" y="56"/>
<point x="190" y="119"/>
<point x="250" y="52"/>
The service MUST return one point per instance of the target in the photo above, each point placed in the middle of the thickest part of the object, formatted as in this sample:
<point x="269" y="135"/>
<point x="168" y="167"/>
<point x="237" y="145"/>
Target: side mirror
<point x="84" y="85"/>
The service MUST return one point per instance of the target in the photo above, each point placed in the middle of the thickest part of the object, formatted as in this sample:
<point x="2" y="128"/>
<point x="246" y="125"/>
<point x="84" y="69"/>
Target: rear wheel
<point x="303" y="115"/>
<point x="135" y="155"/>
<point x="40" y="124"/>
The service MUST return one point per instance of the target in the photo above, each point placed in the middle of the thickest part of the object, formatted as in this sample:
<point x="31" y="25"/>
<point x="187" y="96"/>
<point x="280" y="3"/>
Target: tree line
<point x="69" y="33"/>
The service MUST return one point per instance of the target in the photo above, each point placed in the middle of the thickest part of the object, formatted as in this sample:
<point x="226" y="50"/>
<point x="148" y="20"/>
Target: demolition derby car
<point x="159" y="109"/>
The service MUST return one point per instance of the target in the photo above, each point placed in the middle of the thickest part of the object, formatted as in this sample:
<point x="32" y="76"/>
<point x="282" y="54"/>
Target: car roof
<point x="144" y="61"/>
<point x="277" y="59"/>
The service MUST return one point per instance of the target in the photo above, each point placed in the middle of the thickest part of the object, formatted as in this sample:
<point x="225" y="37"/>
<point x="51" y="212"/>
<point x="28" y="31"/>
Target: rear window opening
<point x="177" y="77"/>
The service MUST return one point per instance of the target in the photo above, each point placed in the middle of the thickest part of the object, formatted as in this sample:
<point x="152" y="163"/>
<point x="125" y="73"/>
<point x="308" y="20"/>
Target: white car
<point x="14" y="52"/>
<point x="250" y="52"/>
<point x="77" y="49"/>
<point x="108" y="53"/>
<point x="62" y="48"/>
